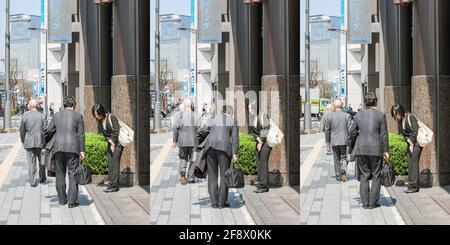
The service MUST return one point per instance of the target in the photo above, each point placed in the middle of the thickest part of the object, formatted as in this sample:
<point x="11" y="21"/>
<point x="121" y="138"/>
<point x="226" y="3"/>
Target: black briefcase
<point x="83" y="174"/>
<point x="387" y="175"/>
<point x="234" y="178"/>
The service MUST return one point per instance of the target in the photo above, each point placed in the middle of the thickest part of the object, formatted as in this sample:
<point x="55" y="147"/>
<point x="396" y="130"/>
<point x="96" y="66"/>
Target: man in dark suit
<point x="223" y="145"/>
<point x="372" y="144"/>
<point x="68" y="126"/>
<point x="337" y="128"/>
<point x="185" y="137"/>
<point x="32" y="136"/>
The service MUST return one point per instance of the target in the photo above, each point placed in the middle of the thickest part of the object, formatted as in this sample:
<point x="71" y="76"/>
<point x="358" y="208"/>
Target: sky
<point x="327" y="7"/>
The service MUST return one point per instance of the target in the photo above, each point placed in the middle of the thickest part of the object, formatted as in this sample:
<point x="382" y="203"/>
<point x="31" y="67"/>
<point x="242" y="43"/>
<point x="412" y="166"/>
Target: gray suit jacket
<point x="185" y="129"/>
<point x="337" y="128"/>
<point x="371" y="134"/>
<point x="223" y="135"/>
<point x="68" y="127"/>
<point x="32" y="130"/>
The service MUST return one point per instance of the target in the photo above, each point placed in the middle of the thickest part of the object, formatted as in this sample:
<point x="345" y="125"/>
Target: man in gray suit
<point x="223" y="147"/>
<point x="372" y="144"/>
<point x="337" y="128"/>
<point x="32" y="136"/>
<point x="323" y="122"/>
<point x="68" y="126"/>
<point x="185" y="137"/>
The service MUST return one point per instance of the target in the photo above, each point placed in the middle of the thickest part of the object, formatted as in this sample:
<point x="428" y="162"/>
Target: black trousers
<point x="370" y="167"/>
<point x="413" y="167"/>
<point x="66" y="162"/>
<point x="186" y="156"/>
<point x="217" y="161"/>
<point x="262" y="164"/>
<point x="340" y="159"/>
<point x="114" y="166"/>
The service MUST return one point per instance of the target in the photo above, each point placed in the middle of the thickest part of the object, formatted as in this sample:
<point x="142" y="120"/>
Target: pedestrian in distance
<point x="337" y="129"/>
<point x="409" y="125"/>
<point x="110" y="127"/>
<point x="260" y="127"/>
<point x="185" y="137"/>
<point x="68" y="128"/>
<point x="223" y="148"/>
<point x="32" y="137"/>
<point x="328" y="112"/>
<point x="372" y="145"/>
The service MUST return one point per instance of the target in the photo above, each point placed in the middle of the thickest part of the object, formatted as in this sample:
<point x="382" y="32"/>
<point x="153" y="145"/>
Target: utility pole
<point x="307" y="120"/>
<point x="7" y="114"/>
<point x="157" y="114"/>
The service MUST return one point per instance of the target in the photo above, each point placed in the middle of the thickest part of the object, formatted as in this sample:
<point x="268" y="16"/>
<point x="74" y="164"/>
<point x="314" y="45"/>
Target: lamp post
<point x="310" y="20"/>
<point x="344" y="32"/>
<point x="44" y="31"/>
<point x="195" y="32"/>
<point x="157" y="114"/>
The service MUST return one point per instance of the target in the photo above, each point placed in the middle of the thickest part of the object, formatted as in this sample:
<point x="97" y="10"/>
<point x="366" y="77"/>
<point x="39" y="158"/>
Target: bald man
<point x="32" y="136"/>
<point x="337" y="130"/>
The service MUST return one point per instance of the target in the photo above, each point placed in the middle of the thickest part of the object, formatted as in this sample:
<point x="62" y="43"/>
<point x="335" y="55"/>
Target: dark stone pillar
<point x="280" y="81"/>
<point x="396" y="25"/>
<point x="96" y="24"/>
<point x="430" y="86"/>
<point x="131" y="84"/>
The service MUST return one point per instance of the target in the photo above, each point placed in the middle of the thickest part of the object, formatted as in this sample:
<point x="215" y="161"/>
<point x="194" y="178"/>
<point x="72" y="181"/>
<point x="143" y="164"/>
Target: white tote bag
<point x="425" y="134"/>
<point x="126" y="134"/>
<point x="275" y="136"/>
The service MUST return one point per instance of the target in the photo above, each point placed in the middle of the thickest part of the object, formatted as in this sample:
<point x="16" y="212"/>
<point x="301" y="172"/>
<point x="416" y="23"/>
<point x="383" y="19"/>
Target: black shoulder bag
<point x="83" y="174"/>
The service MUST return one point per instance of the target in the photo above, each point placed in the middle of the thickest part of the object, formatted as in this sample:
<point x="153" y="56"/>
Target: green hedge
<point x="247" y="159"/>
<point x="95" y="150"/>
<point x="398" y="153"/>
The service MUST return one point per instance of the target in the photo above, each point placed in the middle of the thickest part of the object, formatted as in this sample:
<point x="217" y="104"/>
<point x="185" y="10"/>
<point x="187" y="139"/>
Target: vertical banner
<point x="210" y="21"/>
<point x="341" y="83"/>
<point x="60" y="21"/>
<point x="360" y="21"/>
<point x="193" y="71"/>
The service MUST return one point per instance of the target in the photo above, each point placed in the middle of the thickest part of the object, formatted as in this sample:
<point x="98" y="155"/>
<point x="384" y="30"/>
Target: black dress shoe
<point x="374" y="206"/>
<point x="262" y="190"/>
<point x="411" y="190"/>
<point x="227" y="205"/>
<point x="257" y="184"/>
<point x="62" y="203"/>
<point x="42" y="181"/>
<point x="74" y="205"/>
<point x="215" y="206"/>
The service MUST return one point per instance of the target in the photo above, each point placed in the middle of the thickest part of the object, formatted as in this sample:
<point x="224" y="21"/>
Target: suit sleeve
<point x="354" y="130"/>
<point x="81" y="133"/>
<point x="50" y="130"/>
<point x="235" y="138"/>
<point x="384" y="135"/>
<point x="328" y="130"/>
<point x="22" y="130"/>
<point x="115" y="130"/>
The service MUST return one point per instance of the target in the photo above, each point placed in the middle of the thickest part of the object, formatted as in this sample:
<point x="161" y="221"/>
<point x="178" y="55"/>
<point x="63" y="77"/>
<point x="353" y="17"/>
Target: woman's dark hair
<point x="398" y="109"/>
<point x="99" y="109"/>
<point x="69" y="102"/>
<point x="370" y="99"/>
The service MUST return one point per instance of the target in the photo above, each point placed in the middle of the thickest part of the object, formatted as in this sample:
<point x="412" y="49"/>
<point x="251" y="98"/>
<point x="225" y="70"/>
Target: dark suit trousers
<point x="340" y="159"/>
<point x="370" y="166"/>
<point x="414" y="167"/>
<point x="217" y="160"/>
<point x="262" y="163"/>
<point x="186" y="155"/>
<point x="35" y="162"/>
<point x="66" y="162"/>
<point x="114" y="166"/>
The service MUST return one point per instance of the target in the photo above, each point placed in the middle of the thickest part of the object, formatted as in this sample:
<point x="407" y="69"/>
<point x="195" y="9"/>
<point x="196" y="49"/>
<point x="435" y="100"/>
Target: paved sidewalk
<point x="22" y="205"/>
<point x="279" y="206"/>
<point x="324" y="201"/>
<point x="174" y="204"/>
<point x="129" y="206"/>
<point x="430" y="206"/>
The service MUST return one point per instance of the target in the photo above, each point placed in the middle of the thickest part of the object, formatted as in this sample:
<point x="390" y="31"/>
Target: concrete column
<point x="280" y="81"/>
<point x="131" y="84"/>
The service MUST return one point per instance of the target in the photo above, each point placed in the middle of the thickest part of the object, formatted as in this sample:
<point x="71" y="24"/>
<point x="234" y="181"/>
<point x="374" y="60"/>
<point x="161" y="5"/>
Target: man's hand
<point x="174" y="145"/>
<point x="235" y="158"/>
<point x="82" y="156"/>
<point x="386" y="156"/>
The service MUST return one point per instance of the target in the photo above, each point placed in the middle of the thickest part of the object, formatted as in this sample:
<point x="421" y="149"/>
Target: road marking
<point x="9" y="161"/>
<point x="98" y="218"/>
<point x="310" y="160"/>
<point x="159" y="161"/>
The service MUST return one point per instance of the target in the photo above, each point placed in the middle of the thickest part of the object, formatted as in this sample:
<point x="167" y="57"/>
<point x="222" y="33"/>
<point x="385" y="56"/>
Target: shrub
<point x="95" y="150"/>
<point x="398" y="153"/>
<point x="247" y="159"/>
